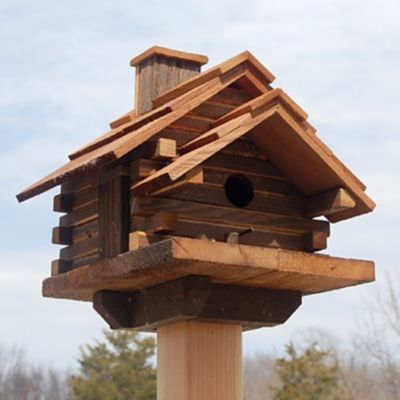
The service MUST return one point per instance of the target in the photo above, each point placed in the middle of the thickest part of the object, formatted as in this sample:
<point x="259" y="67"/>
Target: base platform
<point x="224" y="263"/>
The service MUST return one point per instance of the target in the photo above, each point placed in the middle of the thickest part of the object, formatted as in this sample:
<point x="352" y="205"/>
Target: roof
<point x="273" y="121"/>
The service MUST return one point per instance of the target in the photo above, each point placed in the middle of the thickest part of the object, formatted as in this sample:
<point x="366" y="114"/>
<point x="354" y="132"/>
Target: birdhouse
<point x="209" y="202"/>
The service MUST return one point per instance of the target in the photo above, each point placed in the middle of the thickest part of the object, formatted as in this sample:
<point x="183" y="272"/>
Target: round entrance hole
<point x="239" y="190"/>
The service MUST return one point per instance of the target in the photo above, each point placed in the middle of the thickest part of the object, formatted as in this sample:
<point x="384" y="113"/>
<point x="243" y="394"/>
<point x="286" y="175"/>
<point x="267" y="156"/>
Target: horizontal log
<point x="80" y="249"/>
<point x="61" y="235"/>
<point x="241" y="165"/>
<point x="195" y="297"/>
<point x="212" y="110"/>
<point x="81" y="183"/>
<point x="225" y="263"/>
<point x="160" y="223"/>
<point x="85" y="231"/>
<point x="139" y="239"/>
<point x="316" y="240"/>
<point x="85" y="196"/>
<point x="63" y="202"/>
<point x="231" y="96"/>
<point x="213" y="213"/>
<point x="84" y="214"/>
<point x="328" y="203"/>
<point x="266" y="184"/>
<point x="181" y="136"/>
<point x="193" y="123"/>
<point x="141" y="168"/>
<point x="219" y="231"/>
<point x="86" y="260"/>
<point x="60" y="267"/>
<point x="207" y="194"/>
<point x="244" y="148"/>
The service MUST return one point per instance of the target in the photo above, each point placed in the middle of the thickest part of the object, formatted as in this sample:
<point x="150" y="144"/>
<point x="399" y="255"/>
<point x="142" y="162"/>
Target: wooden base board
<point x="199" y="361"/>
<point x="224" y="263"/>
<point x="195" y="297"/>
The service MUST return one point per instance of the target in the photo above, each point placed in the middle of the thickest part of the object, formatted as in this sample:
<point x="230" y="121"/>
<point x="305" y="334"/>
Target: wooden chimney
<point x="159" y="69"/>
<point x="202" y="214"/>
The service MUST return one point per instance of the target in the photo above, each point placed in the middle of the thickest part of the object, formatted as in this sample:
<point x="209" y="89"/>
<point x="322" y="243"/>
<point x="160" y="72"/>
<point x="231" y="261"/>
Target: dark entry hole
<point x="239" y="190"/>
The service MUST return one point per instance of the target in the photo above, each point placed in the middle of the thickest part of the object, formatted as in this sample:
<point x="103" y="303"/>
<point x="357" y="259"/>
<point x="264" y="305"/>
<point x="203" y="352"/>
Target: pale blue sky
<point x="64" y="75"/>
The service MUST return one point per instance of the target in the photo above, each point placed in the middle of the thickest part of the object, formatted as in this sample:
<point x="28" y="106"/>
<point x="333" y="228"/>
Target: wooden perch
<point x="328" y="203"/>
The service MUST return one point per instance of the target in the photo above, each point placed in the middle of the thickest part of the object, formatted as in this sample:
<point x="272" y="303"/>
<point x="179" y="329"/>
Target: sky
<point x="64" y="75"/>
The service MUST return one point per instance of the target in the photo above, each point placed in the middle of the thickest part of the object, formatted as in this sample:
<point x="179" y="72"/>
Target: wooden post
<point x="199" y="361"/>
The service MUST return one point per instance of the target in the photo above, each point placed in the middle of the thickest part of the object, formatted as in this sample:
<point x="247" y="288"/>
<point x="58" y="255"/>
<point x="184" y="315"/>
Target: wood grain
<point x="225" y="263"/>
<point x="207" y="360"/>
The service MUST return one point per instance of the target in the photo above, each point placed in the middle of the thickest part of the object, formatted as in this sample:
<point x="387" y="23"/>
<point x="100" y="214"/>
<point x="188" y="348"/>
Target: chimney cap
<point x="168" y="53"/>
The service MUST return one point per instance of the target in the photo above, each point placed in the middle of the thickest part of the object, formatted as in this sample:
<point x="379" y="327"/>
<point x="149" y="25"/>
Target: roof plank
<point x="120" y="146"/>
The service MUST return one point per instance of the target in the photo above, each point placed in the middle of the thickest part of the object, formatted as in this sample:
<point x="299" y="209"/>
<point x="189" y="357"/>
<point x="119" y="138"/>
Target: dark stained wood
<point x="80" y="249"/>
<point x="82" y="215"/>
<point x="61" y="235"/>
<point x="63" y="202"/>
<point x="195" y="297"/>
<point x="113" y="216"/>
<point x="85" y="197"/>
<point x="85" y="231"/>
<point x="60" y="266"/>
<point x="86" y="260"/>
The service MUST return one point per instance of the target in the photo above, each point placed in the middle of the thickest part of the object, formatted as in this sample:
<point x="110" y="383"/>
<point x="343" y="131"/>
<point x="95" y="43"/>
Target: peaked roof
<point x="275" y="123"/>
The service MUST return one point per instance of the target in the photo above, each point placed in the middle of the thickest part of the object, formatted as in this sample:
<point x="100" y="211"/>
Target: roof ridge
<point x="217" y="70"/>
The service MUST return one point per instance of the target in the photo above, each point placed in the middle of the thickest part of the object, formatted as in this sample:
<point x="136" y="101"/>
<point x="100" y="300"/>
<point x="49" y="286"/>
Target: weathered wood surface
<point x="113" y="216"/>
<point x="195" y="297"/>
<point x="169" y="53"/>
<point x="242" y="58"/>
<point x="327" y="203"/>
<point x="225" y="263"/>
<point x="122" y="145"/>
<point x="206" y="360"/>
<point x="228" y="214"/>
<point x="156" y="74"/>
<point x="219" y="231"/>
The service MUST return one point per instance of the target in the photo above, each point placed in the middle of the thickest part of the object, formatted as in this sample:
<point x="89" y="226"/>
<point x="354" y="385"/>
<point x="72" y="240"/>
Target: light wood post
<point x="199" y="361"/>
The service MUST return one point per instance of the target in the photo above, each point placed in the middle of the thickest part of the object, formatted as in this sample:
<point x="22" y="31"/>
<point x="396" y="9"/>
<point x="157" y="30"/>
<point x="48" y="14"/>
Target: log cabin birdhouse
<point x="208" y="202"/>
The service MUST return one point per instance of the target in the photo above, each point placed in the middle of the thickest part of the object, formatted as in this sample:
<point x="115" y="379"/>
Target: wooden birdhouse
<point x="209" y="203"/>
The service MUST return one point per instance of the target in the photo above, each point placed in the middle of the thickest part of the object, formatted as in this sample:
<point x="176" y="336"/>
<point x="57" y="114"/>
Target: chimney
<point x="158" y="69"/>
